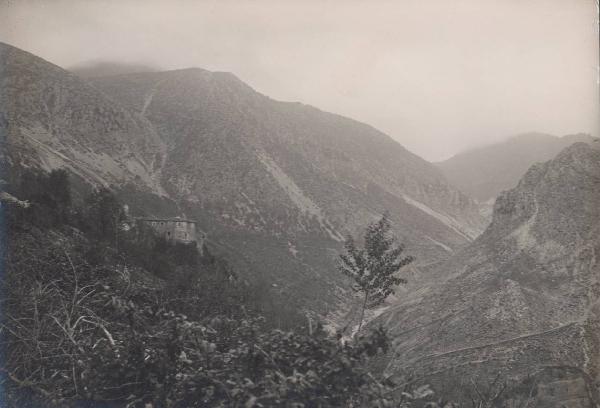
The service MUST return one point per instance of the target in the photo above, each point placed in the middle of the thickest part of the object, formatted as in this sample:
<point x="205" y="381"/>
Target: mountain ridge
<point x="135" y="102"/>
<point x="485" y="171"/>
<point x="276" y="185"/>
<point x="524" y="295"/>
<point x="42" y="124"/>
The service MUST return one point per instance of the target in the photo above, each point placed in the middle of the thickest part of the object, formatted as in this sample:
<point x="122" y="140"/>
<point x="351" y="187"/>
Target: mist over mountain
<point x="275" y="185"/>
<point x="107" y="68"/>
<point x="484" y="172"/>
<point x="522" y="300"/>
<point x="287" y="204"/>
<point x="278" y="186"/>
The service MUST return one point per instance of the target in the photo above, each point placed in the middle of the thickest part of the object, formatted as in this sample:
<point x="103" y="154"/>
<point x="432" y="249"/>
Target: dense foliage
<point x="84" y="320"/>
<point x="77" y="331"/>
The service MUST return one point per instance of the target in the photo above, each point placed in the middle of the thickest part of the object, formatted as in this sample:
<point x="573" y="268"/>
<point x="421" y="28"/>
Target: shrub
<point x="77" y="331"/>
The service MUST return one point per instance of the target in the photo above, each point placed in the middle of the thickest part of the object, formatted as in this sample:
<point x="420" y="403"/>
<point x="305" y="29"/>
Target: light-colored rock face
<point x="523" y="296"/>
<point x="53" y="119"/>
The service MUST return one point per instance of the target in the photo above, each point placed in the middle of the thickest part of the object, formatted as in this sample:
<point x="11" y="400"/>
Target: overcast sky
<point x="439" y="76"/>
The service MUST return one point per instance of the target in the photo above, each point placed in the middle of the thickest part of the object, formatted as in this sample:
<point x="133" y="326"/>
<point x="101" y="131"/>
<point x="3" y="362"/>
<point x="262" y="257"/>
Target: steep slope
<point x="483" y="173"/>
<point x="275" y="185"/>
<point x="50" y="119"/>
<point x="523" y="298"/>
<point x="278" y="185"/>
<point x="225" y="139"/>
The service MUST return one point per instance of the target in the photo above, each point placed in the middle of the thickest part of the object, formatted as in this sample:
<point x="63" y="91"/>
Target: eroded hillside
<point x="523" y="298"/>
<point x="275" y="185"/>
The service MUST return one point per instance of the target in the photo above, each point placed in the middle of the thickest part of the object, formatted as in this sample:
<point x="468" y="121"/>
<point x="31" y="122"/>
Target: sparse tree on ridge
<point x="373" y="267"/>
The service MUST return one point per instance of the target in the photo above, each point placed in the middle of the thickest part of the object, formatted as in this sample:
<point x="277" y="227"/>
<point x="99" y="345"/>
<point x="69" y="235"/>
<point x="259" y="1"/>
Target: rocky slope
<point x="224" y="138"/>
<point x="485" y="172"/>
<point x="523" y="299"/>
<point x="49" y="118"/>
<point x="275" y="185"/>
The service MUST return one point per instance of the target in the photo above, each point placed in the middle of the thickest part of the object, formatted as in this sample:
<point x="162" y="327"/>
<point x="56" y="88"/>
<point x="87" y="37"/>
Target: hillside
<point x="97" y="315"/>
<point x="52" y="119"/>
<point x="523" y="299"/>
<point x="275" y="185"/>
<point x="216" y="125"/>
<point x="485" y="172"/>
<point x="271" y="168"/>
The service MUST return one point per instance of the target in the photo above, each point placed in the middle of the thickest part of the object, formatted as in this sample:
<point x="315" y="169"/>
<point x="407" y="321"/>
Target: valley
<point x="277" y="187"/>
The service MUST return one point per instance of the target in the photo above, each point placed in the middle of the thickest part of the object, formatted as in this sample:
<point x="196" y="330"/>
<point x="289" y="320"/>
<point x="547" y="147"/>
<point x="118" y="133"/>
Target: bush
<point x="83" y="320"/>
<point x="77" y="331"/>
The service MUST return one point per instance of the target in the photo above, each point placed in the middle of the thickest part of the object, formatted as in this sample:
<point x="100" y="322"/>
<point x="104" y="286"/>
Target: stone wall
<point x="176" y="230"/>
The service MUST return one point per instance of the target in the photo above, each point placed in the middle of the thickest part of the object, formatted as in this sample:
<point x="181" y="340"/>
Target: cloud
<point x="438" y="76"/>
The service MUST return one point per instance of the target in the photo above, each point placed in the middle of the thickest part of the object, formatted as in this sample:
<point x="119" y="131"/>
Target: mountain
<point x="270" y="168"/>
<point x="275" y="185"/>
<point x="483" y="173"/>
<point x="49" y="118"/>
<point x="523" y="300"/>
<point x="216" y="125"/>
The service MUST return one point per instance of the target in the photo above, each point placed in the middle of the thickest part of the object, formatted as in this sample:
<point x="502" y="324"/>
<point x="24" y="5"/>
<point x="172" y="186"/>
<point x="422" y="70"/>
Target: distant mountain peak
<point x="484" y="172"/>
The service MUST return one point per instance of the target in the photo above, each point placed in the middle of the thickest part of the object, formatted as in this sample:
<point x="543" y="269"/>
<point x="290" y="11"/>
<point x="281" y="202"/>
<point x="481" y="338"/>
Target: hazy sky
<point x="439" y="76"/>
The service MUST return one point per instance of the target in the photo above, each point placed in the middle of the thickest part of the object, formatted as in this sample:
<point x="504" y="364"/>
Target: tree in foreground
<point x="373" y="267"/>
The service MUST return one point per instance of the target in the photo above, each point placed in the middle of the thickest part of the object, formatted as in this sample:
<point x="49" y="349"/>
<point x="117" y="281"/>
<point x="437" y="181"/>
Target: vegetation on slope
<point x="83" y="321"/>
